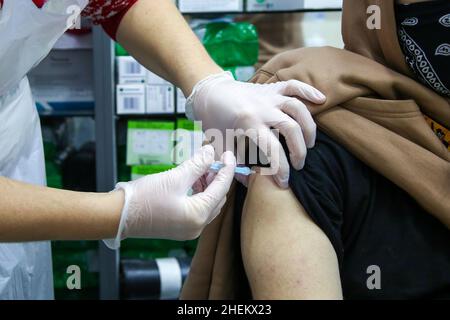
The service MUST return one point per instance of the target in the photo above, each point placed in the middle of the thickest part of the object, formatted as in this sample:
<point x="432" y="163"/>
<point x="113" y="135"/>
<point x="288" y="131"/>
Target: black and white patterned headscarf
<point x="424" y="35"/>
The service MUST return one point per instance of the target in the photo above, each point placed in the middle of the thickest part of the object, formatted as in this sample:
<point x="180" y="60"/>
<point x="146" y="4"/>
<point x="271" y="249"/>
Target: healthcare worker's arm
<point x="156" y="34"/>
<point x="155" y="206"/>
<point x="30" y="213"/>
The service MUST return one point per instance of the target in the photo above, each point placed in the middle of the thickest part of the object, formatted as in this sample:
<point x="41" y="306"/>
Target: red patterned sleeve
<point x="108" y="13"/>
<point x="38" y="3"/>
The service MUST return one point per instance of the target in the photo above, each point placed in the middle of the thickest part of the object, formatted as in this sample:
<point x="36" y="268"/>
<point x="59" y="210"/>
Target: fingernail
<point x="208" y="148"/>
<point x="229" y="158"/>
<point x="208" y="152"/>
<point x="295" y="163"/>
<point x="283" y="182"/>
<point x="321" y="96"/>
<point x="302" y="164"/>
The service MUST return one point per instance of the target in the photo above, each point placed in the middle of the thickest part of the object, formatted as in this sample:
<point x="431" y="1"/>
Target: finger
<point x="300" y="113"/>
<point x="191" y="170"/>
<point x="292" y="132"/>
<point x="219" y="187"/>
<point x="302" y="90"/>
<point x="268" y="143"/>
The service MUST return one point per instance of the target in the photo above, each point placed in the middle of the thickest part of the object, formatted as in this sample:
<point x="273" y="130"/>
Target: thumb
<point x="193" y="169"/>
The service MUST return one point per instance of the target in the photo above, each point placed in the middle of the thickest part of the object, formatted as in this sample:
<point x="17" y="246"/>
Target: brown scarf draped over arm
<point x="375" y="109"/>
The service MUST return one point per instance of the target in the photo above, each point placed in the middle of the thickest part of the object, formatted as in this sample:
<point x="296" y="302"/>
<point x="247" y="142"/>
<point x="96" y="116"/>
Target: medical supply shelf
<point x="66" y="114"/>
<point x="212" y="14"/>
<point x="106" y="146"/>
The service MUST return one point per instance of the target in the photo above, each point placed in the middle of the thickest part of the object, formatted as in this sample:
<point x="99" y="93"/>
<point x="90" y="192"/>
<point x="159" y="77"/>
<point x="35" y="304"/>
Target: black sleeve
<point x="332" y="183"/>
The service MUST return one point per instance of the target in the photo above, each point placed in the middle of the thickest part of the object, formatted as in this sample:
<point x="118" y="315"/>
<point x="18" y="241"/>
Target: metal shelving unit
<point x="106" y="153"/>
<point x="203" y="14"/>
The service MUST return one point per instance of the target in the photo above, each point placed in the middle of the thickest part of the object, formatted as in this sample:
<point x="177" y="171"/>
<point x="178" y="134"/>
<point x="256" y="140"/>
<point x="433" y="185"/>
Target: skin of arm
<point x="33" y="213"/>
<point x="156" y="34"/>
<point x="285" y="254"/>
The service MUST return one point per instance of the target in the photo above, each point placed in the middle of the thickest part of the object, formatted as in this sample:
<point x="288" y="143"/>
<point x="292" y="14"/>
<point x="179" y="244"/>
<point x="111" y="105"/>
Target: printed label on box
<point x="130" y="99"/>
<point x="181" y="101"/>
<point x="130" y="71"/>
<point x="160" y="99"/>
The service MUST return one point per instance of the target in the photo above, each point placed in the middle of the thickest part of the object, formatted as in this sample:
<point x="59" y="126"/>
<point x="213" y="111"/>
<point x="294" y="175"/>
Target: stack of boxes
<point x="140" y="91"/>
<point x="231" y="6"/>
<point x="196" y="6"/>
<point x="274" y="5"/>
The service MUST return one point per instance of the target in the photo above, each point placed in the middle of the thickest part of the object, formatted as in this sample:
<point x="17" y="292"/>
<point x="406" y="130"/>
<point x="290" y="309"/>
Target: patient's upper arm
<point x="286" y="256"/>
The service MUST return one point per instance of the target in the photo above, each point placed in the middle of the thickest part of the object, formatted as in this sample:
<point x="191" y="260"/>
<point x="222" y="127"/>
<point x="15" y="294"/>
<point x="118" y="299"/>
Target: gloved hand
<point x="222" y="103"/>
<point x="158" y="206"/>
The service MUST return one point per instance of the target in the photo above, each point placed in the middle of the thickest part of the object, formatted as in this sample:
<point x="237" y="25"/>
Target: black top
<point x="371" y="222"/>
<point x="424" y="35"/>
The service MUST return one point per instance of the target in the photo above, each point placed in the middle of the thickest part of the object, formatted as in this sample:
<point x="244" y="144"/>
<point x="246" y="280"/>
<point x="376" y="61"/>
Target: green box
<point x="189" y="137"/>
<point x="150" y="142"/>
<point x="141" y="171"/>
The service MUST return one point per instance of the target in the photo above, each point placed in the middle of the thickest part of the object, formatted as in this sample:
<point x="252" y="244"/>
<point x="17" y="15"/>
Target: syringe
<point x="245" y="171"/>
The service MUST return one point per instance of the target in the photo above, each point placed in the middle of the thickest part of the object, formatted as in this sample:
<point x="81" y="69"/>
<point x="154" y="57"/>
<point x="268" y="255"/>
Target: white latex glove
<point x="158" y="206"/>
<point x="221" y="102"/>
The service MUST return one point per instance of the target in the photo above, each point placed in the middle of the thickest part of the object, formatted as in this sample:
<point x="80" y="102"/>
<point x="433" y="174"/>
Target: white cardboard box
<point x="181" y="101"/>
<point x="153" y="78"/>
<point x="64" y="82"/>
<point x="130" y="71"/>
<point x="130" y="99"/>
<point x="160" y="99"/>
<point x="194" y="6"/>
<point x="323" y="4"/>
<point x="274" y="5"/>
